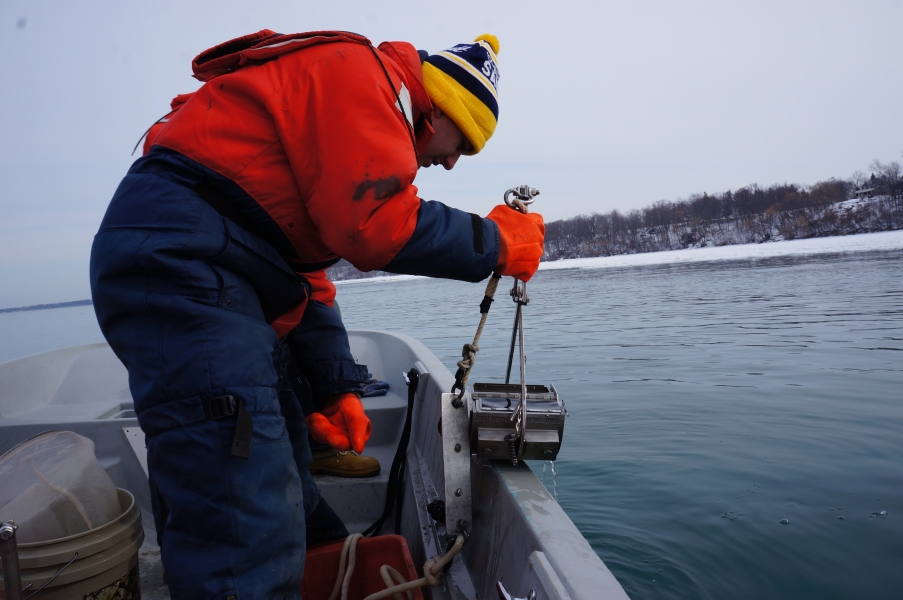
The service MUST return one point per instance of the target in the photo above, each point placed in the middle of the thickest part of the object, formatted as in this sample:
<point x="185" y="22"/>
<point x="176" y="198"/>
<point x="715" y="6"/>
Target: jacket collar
<point x="407" y="57"/>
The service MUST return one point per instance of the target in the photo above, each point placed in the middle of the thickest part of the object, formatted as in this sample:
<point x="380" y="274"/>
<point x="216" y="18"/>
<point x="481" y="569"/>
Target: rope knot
<point x="431" y="578"/>
<point x="469" y="352"/>
<point x="468" y="355"/>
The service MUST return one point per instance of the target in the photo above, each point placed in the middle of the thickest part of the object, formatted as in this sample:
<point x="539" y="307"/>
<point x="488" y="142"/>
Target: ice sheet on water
<point x="865" y="242"/>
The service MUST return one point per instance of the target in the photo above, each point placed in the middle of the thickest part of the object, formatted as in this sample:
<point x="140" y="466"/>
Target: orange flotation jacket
<point x="319" y="131"/>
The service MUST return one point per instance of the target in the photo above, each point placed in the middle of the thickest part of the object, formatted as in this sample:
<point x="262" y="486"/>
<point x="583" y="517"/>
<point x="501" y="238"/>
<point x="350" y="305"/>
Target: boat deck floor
<point x="150" y="569"/>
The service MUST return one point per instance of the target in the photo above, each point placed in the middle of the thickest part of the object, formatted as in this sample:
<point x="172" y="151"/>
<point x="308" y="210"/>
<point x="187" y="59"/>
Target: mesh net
<point x="52" y="486"/>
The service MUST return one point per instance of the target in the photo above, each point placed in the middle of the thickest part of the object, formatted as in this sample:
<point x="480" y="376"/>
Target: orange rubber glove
<point x="343" y="424"/>
<point x="521" y="237"/>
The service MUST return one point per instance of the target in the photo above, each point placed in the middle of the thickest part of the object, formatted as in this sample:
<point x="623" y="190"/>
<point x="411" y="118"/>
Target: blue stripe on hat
<point x="472" y="64"/>
<point x="467" y="80"/>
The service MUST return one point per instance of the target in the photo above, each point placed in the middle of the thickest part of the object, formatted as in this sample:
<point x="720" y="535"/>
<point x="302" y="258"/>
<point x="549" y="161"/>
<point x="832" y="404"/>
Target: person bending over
<point x="208" y="273"/>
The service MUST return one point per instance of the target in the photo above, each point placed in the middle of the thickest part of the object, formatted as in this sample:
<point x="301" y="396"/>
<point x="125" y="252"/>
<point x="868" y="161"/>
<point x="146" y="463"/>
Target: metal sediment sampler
<point x="496" y="421"/>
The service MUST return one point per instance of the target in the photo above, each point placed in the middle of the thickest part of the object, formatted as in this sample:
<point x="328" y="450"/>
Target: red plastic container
<point x="321" y="567"/>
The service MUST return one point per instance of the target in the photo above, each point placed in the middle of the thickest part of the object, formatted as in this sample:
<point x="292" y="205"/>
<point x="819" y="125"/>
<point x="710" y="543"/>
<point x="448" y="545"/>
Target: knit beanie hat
<point x="463" y="82"/>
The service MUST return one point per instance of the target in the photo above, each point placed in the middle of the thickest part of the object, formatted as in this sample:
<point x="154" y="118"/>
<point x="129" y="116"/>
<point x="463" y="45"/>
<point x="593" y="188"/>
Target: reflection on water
<point x="735" y="427"/>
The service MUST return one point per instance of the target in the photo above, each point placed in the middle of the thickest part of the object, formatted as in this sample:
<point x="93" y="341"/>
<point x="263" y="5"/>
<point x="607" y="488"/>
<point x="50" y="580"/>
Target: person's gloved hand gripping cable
<point x="521" y="241"/>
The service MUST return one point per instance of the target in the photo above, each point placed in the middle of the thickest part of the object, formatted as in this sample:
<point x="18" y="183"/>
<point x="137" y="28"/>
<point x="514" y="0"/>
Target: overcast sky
<point x="603" y="105"/>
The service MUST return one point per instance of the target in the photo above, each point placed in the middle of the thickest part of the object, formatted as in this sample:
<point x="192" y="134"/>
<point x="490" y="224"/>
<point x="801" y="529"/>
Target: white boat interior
<point x="520" y="535"/>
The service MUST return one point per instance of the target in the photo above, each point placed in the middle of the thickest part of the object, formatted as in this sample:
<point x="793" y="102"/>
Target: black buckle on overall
<point x="227" y="406"/>
<point x="220" y="408"/>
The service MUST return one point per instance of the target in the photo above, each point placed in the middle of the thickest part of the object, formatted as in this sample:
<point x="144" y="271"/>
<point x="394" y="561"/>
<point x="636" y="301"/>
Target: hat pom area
<point x="489" y="39"/>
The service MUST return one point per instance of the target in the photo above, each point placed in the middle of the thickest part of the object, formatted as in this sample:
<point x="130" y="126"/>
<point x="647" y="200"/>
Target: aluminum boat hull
<point x="521" y="536"/>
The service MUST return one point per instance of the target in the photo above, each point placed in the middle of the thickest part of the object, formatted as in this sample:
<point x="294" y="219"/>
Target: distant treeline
<point x="753" y="213"/>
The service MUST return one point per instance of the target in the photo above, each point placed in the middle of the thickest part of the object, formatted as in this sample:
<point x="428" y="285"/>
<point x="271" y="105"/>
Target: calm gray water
<point x="708" y="403"/>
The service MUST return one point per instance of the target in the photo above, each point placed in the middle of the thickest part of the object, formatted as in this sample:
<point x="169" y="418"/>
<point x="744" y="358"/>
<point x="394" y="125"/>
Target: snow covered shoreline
<point x="863" y="242"/>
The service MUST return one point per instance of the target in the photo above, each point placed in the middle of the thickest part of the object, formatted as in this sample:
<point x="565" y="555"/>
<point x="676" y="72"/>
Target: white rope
<point x="519" y="204"/>
<point x="395" y="582"/>
<point x="344" y="578"/>
<point x="469" y="352"/>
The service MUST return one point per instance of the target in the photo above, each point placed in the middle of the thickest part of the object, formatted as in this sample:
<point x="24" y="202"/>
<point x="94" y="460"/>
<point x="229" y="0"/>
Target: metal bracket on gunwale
<point x="456" y="459"/>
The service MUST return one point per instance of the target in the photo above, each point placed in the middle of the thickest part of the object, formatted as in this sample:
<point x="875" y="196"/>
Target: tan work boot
<point x="344" y="464"/>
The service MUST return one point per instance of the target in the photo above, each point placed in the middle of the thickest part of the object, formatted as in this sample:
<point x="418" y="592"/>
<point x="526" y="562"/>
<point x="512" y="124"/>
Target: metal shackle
<point x="523" y="195"/>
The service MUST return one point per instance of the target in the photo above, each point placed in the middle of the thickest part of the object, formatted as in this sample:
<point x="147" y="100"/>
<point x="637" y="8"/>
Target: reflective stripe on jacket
<point x="154" y="130"/>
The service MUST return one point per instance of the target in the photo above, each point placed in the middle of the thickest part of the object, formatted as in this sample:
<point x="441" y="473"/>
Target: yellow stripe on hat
<point x="473" y="71"/>
<point x="473" y="118"/>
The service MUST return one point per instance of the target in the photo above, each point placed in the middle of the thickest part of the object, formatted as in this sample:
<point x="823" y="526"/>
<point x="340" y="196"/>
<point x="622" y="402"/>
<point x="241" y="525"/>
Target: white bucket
<point x="107" y="556"/>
